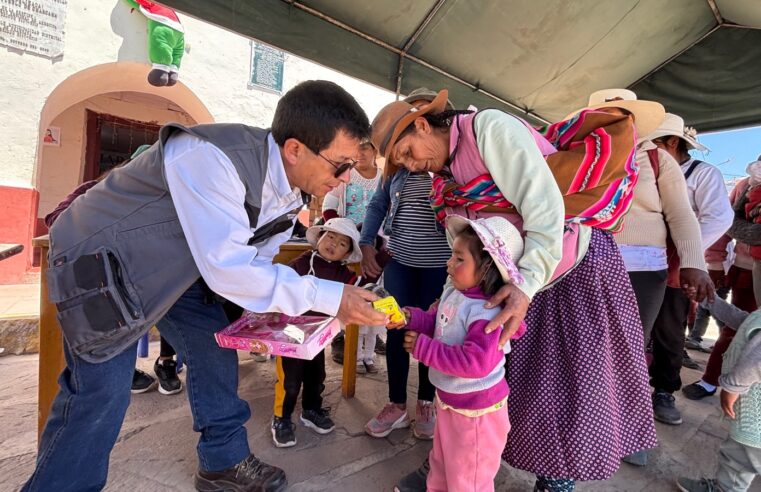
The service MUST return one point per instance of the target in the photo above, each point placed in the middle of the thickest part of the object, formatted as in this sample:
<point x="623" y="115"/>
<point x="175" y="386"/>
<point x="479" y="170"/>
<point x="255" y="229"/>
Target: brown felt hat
<point x="394" y="118"/>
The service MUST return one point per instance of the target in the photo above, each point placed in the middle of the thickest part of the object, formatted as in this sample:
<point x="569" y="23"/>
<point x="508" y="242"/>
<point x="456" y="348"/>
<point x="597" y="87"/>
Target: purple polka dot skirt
<point x="579" y="393"/>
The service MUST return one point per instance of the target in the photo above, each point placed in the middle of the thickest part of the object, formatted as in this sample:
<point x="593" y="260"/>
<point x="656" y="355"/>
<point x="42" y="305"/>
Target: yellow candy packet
<point x="389" y="306"/>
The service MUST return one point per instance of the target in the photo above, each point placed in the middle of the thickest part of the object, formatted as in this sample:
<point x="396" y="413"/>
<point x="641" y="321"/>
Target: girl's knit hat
<point x="500" y="239"/>
<point x="338" y="225"/>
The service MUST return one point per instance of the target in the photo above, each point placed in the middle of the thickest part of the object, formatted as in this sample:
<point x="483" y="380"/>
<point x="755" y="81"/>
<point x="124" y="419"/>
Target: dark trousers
<point x="166" y="349"/>
<point x="649" y="289"/>
<point x="740" y="281"/>
<point x="668" y="341"/>
<point x="415" y="287"/>
<point x="292" y="374"/>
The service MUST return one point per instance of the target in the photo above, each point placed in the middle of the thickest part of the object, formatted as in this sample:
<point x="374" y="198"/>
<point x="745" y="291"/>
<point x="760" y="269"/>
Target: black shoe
<point x="142" y="382"/>
<point x="248" y="475"/>
<point x="637" y="459"/>
<point x="282" y="432"/>
<point x="318" y="420"/>
<point x="664" y="408"/>
<point x="337" y="349"/>
<point x="166" y="371"/>
<point x="380" y="345"/>
<point x="695" y="391"/>
<point x="415" y="481"/>
<point x="689" y="362"/>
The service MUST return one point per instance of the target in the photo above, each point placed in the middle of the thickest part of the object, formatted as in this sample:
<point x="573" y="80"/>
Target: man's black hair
<point x="314" y="111"/>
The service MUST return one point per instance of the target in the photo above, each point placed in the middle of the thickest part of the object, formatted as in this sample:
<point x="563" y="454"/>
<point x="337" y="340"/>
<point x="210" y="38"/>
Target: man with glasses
<point x="203" y="211"/>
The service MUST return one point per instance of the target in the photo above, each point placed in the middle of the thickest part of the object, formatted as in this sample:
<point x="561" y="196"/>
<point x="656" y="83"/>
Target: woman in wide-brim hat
<point x="580" y="369"/>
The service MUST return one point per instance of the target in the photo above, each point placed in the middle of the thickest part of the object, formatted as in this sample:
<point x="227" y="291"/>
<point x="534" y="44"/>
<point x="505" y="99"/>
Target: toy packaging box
<point x="300" y="337"/>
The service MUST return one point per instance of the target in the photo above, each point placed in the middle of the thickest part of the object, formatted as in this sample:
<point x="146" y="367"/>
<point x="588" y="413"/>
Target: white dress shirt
<point x="709" y="200"/>
<point x="208" y="196"/>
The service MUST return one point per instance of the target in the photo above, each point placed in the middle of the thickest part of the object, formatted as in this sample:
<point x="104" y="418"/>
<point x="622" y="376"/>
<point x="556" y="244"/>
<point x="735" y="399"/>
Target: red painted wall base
<point x="18" y="218"/>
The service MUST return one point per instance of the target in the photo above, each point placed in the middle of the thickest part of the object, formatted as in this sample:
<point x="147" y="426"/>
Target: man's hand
<point x="410" y="339"/>
<point x="697" y="284"/>
<point x="355" y="307"/>
<point x="718" y="277"/>
<point x="370" y="267"/>
<point x="728" y="403"/>
<point x="515" y="304"/>
<point x="401" y="324"/>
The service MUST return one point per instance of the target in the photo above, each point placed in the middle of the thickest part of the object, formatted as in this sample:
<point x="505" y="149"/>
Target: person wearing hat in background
<point x="583" y="336"/>
<point x="334" y="245"/>
<point x="165" y="366"/>
<point x="752" y="199"/>
<point x="414" y="276"/>
<point x="466" y="363"/>
<point x="708" y="200"/>
<point x="350" y="200"/>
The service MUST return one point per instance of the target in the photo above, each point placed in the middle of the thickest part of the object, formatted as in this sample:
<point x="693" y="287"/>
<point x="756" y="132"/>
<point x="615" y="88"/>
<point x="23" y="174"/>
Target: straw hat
<point x="338" y="225"/>
<point x="648" y="115"/>
<point x="673" y="125"/>
<point x="500" y="239"/>
<point x="394" y="118"/>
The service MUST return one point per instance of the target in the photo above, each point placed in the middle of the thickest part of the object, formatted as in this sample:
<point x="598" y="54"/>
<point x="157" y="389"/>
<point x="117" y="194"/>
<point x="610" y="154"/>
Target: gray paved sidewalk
<point x="156" y="448"/>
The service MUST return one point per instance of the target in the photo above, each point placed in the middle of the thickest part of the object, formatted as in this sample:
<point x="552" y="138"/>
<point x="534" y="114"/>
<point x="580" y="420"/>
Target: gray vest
<point x="118" y="256"/>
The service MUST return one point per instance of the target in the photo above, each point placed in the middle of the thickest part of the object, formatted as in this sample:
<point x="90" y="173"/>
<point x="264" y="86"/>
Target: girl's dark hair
<point x="492" y="280"/>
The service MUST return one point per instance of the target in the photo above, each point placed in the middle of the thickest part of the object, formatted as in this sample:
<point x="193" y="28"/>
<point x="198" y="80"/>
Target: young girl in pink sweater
<point x="465" y="363"/>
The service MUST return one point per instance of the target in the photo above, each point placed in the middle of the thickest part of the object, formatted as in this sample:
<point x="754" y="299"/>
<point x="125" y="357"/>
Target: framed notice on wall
<point x="33" y="26"/>
<point x="267" y="65"/>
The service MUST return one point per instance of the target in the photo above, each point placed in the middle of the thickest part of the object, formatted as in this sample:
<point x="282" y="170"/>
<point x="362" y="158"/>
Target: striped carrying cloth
<point x="594" y="167"/>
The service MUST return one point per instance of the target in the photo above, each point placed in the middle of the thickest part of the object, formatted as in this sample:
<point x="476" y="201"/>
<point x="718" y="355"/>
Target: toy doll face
<point x="333" y="246"/>
<point x="462" y="267"/>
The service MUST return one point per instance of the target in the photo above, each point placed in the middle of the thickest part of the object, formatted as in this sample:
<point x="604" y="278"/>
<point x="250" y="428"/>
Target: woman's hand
<point x="697" y="284"/>
<point x="515" y="304"/>
<point x="401" y="324"/>
<point x="728" y="403"/>
<point x="410" y="338"/>
<point x="370" y="267"/>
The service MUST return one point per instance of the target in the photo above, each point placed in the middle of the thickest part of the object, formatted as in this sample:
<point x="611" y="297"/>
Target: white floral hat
<point x="500" y="239"/>
<point x="339" y="225"/>
<point x="673" y="125"/>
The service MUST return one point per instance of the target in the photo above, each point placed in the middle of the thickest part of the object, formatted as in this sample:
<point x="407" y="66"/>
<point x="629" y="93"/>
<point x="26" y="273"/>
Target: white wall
<point x="215" y="66"/>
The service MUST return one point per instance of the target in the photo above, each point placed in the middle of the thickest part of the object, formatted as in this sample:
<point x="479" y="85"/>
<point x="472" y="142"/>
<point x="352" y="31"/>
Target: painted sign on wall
<point x="266" y="67"/>
<point x="33" y="26"/>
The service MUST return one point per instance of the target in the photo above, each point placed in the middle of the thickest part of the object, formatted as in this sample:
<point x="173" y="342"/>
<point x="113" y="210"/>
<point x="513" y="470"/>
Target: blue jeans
<point x="416" y="287"/>
<point x="89" y="409"/>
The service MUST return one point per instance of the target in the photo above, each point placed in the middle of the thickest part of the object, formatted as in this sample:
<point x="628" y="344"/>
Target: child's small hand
<point x="727" y="403"/>
<point x="410" y="338"/>
<point x="401" y="324"/>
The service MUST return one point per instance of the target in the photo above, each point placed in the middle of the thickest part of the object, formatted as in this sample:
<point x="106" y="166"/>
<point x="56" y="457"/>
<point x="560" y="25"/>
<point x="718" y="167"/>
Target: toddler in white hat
<point x="465" y="363"/>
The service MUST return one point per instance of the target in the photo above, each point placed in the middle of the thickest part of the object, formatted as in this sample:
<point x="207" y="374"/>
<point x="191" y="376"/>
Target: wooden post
<point x="349" y="380"/>
<point x="51" y="361"/>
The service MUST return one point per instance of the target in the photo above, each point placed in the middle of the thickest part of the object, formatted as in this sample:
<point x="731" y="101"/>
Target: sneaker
<point x="390" y="417"/>
<point x="142" y="382"/>
<point x="166" y="372"/>
<point x="282" y="432"/>
<point x="370" y="367"/>
<point x="380" y="345"/>
<point x="425" y="420"/>
<point x="361" y="369"/>
<point x="702" y="485"/>
<point x="637" y="459"/>
<point x="318" y="420"/>
<point x="693" y="344"/>
<point x="689" y="362"/>
<point x="664" y="408"/>
<point x="696" y="391"/>
<point x="249" y="474"/>
<point x="414" y="481"/>
<point x="337" y="349"/>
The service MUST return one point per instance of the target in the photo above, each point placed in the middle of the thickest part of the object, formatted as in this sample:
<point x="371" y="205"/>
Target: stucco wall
<point x="215" y="67"/>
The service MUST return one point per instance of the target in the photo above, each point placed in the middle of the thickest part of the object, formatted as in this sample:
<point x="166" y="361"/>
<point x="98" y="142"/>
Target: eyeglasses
<point x="340" y="167"/>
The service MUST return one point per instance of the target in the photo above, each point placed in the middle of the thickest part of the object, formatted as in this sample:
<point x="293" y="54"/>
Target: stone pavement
<point x="19" y="318"/>
<point x="156" y="448"/>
